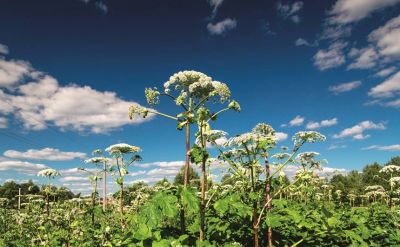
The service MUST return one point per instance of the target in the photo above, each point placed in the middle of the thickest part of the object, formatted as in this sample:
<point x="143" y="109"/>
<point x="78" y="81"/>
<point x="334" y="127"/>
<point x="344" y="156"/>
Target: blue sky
<point x="69" y="69"/>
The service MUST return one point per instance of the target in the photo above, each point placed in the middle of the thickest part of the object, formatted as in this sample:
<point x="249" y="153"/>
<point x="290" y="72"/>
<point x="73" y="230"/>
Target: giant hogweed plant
<point x="245" y="154"/>
<point x="95" y="177"/>
<point x="124" y="155"/>
<point x="193" y="92"/>
<point x="50" y="174"/>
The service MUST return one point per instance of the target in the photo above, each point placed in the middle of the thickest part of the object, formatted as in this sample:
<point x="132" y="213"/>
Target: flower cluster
<point x="390" y="169"/>
<point x="197" y="84"/>
<point x="302" y="137"/>
<point x="152" y="96"/>
<point x="307" y="159"/>
<point x="211" y="136"/>
<point x="50" y="173"/>
<point x="234" y="105"/>
<point x="96" y="160"/>
<point x="281" y="156"/>
<point x="122" y="148"/>
<point x="263" y="129"/>
<point x="137" y="110"/>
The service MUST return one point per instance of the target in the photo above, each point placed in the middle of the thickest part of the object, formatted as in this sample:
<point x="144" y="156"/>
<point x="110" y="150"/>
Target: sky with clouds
<point x="69" y="70"/>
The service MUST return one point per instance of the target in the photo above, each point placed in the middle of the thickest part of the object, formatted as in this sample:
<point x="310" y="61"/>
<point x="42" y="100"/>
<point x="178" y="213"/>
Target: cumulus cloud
<point x="332" y="57"/>
<point x="12" y="72"/>
<point x="21" y="167"/>
<point x="98" y="4"/>
<point x="215" y="4"/>
<point x="386" y="72"/>
<point x="44" y="101"/>
<point x="349" y="11"/>
<point x="74" y="179"/>
<point x="388" y="88"/>
<point x="281" y="136"/>
<point x="324" y="123"/>
<point x="290" y="11"/>
<point x="357" y="131"/>
<point x="297" y="121"/>
<point x="395" y="147"/>
<point x="3" y="123"/>
<point x="345" y="87"/>
<point x="336" y="146"/>
<point x="303" y="42"/>
<point x="3" y="49"/>
<point x="222" y="27"/>
<point x="386" y="38"/>
<point x="364" y="58"/>
<point x="44" y="154"/>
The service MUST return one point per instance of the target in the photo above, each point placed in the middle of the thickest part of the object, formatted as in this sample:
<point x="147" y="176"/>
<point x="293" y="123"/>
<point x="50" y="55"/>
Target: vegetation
<point x="254" y="204"/>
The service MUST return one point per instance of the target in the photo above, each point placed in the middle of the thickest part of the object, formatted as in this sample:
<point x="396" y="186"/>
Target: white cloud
<point x="44" y="154"/>
<point x="349" y="11"/>
<point x="215" y="4"/>
<point x="13" y="72"/>
<point x="21" y="167"/>
<point x="332" y="57"/>
<point x="345" y="87"/>
<point x="357" y="131"/>
<point x="290" y="11"/>
<point x="388" y="88"/>
<point x="365" y="58"/>
<point x="280" y="136"/>
<point x="301" y="41"/>
<point x="3" y="49"/>
<point x="99" y="4"/>
<point x="297" y="121"/>
<point x="387" y="37"/>
<point x="163" y="172"/>
<point x="137" y="173"/>
<point x="43" y="101"/>
<point x="393" y="103"/>
<point x="74" y="179"/>
<point x="324" y="123"/>
<point x="102" y="7"/>
<point x="222" y="26"/>
<point x="395" y="147"/>
<point x="75" y="171"/>
<point x="3" y="123"/>
<point x="385" y="72"/>
<point x="335" y="146"/>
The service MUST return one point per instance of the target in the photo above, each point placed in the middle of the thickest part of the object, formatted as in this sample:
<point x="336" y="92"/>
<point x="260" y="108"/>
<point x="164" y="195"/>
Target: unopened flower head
<point x="137" y="110"/>
<point x="152" y="96"/>
<point x="50" y="173"/>
<point x="122" y="148"/>
<point x="234" y="105"/>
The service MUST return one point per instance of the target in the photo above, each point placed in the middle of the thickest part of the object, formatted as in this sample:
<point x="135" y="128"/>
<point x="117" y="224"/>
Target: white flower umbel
<point x="122" y="148"/>
<point x="49" y="173"/>
<point x="302" y="137"/>
<point x="96" y="160"/>
<point x="390" y="169"/>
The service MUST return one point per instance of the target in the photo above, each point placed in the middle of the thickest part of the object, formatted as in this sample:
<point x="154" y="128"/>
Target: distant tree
<point x="162" y="182"/>
<point x="372" y="176"/>
<point x="194" y="179"/>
